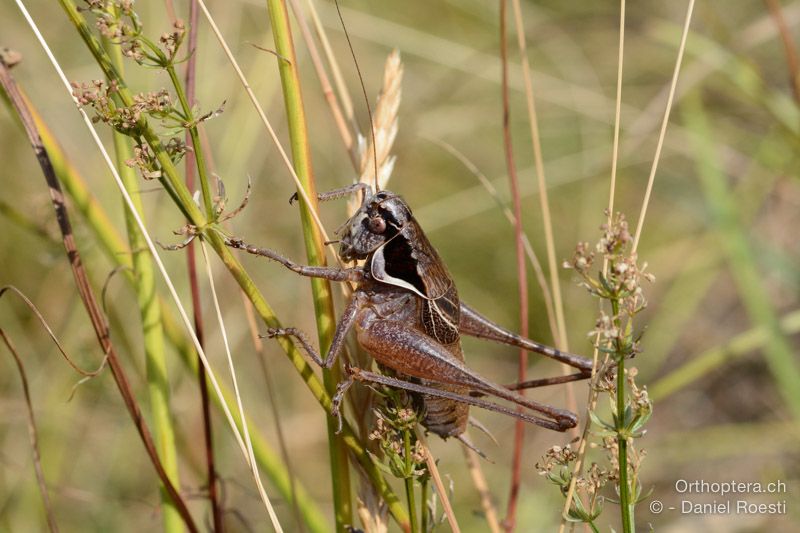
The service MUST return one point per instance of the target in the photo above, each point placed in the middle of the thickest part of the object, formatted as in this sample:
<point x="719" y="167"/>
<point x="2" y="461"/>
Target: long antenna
<point x="364" y="92"/>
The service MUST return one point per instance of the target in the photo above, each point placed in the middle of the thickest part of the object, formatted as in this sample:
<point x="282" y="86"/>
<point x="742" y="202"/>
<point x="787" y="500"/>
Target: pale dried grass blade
<point x="479" y="480"/>
<point x="437" y="481"/>
<point x="140" y="224"/>
<point x="341" y="86"/>
<point x="385" y="126"/>
<point x="263" y="116"/>
<point x="242" y="419"/>
<point x="533" y="122"/>
<point x="664" y="122"/>
<point x="371" y="510"/>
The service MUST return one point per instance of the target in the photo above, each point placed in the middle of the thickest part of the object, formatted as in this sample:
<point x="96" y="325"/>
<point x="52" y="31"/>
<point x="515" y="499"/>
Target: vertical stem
<point x="409" y="482"/>
<point x="424" y="507"/>
<point x="321" y="290"/>
<point x="519" y="426"/>
<point x="96" y="316"/>
<point x="153" y="334"/>
<point x="625" y="504"/>
<point x="191" y="264"/>
<point x="183" y="200"/>
<point x="792" y="61"/>
<point x="195" y="140"/>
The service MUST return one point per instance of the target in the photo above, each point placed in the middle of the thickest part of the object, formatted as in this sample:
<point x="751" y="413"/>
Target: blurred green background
<point x="725" y="420"/>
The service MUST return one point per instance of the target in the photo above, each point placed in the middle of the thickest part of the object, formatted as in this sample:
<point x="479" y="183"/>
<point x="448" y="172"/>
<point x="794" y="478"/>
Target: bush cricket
<point x="407" y="315"/>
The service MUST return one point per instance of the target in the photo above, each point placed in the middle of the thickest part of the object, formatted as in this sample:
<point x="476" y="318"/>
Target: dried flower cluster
<point x="618" y="283"/>
<point x="557" y="466"/>
<point x="118" y="22"/>
<point x="128" y="114"/>
<point x="394" y="431"/>
<point x="128" y="120"/>
<point x="171" y="41"/>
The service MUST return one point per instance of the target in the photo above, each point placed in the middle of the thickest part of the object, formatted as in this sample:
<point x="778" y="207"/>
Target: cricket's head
<point x="379" y="219"/>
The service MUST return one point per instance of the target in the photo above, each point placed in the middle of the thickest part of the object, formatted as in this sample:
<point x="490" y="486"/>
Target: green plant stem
<point x="152" y="332"/>
<point x="625" y="504"/>
<point x="321" y="289"/>
<point x="268" y="460"/>
<point x="113" y="245"/>
<point x="424" y="505"/>
<point x="115" y="249"/>
<point x="409" y="482"/>
<point x="184" y="202"/>
<point x="170" y="177"/>
<point x="202" y="171"/>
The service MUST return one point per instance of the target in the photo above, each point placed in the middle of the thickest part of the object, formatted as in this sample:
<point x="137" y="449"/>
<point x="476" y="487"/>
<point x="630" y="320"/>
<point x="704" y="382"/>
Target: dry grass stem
<point x="479" y="480"/>
<point x="437" y="481"/>
<point x="617" y="120"/>
<point x="248" y="89"/>
<point x="269" y="386"/>
<point x="544" y="203"/>
<point x="150" y="244"/>
<point x="663" y="132"/>
<point x="232" y="368"/>
<point x="325" y="84"/>
<point x="33" y="435"/>
<point x="341" y="86"/>
<point x="792" y="62"/>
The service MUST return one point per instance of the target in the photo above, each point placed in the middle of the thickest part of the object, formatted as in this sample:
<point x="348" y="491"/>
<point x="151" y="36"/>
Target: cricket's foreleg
<point x="474" y="324"/>
<point x="330" y="273"/>
<point x="412" y="353"/>
<point x="339" y="336"/>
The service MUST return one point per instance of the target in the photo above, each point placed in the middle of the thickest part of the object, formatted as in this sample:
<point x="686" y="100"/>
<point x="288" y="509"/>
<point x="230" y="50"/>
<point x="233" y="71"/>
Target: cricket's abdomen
<point x="446" y="418"/>
<point x="420" y="344"/>
<point x="439" y="318"/>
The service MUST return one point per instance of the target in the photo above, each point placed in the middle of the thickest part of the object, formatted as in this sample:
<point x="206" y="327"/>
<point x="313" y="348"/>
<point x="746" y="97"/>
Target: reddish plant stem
<point x="519" y="427"/>
<point x="96" y="316"/>
<point x="197" y="309"/>
<point x="792" y="62"/>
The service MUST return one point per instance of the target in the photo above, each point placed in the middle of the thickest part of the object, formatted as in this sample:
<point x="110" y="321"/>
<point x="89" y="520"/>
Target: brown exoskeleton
<point x="407" y="315"/>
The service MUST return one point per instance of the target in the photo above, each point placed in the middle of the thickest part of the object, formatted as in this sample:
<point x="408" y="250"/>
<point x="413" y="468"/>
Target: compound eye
<point x="377" y="225"/>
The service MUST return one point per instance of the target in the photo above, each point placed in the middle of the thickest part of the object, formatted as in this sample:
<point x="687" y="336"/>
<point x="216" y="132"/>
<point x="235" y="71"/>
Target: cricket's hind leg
<point x="412" y="353"/>
<point x="357" y="374"/>
<point x="474" y="324"/>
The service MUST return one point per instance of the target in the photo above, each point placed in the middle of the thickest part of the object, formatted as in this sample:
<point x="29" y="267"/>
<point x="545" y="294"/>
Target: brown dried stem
<point x="32" y="435"/>
<point x="522" y="278"/>
<point x="86" y="292"/>
<point x="792" y="62"/>
<point x="191" y="263"/>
